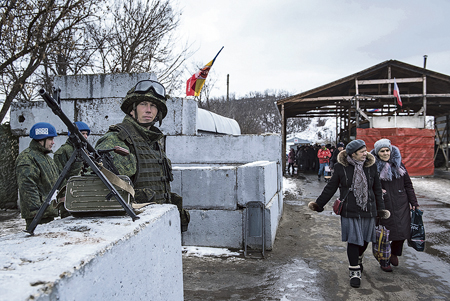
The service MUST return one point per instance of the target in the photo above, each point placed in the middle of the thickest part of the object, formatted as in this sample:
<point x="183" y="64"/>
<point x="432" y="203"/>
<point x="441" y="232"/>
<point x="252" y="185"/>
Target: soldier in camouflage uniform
<point x="37" y="173"/>
<point x="63" y="154"/>
<point x="147" y="165"/>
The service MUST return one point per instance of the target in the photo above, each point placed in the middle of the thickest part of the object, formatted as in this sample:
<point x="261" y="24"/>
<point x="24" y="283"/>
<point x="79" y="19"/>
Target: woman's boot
<point x="360" y="262"/>
<point x="355" y="275"/>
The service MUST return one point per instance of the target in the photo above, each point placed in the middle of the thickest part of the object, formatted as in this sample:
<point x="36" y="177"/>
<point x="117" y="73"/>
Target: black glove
<point x="384" y="214"/>
<point x="314" y="207"/>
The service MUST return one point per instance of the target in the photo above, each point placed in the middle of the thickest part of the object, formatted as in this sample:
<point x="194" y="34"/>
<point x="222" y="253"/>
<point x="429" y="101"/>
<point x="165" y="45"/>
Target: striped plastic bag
<point x="382" y="247"/>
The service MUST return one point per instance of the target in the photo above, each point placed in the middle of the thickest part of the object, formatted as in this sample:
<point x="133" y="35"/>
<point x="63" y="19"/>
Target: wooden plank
<point x="389" y="81"/>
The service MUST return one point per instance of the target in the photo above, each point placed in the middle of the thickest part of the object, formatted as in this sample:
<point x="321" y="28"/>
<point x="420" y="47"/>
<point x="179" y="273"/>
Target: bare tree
<point x="29" y="32"/>
<point x="138" y="36"/>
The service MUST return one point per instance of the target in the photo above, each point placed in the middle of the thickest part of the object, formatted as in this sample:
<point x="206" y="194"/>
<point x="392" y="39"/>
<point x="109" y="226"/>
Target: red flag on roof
<point x="397" y="93"/>
<point x="195" y="84"/>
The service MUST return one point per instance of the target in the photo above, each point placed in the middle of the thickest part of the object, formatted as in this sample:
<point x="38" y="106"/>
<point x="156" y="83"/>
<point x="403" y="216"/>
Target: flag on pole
<point x="195" y="84"/>
<point x="397" y="93"/>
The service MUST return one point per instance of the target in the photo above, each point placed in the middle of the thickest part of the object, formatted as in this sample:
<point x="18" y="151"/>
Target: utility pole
<point x="228" y="87"/>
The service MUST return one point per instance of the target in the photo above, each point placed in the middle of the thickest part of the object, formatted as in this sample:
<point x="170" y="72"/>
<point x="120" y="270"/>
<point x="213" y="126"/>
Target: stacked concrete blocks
<point x="96" y="259"/>
<point x="216" y="174"/>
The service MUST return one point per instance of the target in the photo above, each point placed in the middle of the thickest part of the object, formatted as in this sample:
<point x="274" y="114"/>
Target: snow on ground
<point x="208" y="252"/>
<point x="289" y="186"/>
<point x="432" y="188"/>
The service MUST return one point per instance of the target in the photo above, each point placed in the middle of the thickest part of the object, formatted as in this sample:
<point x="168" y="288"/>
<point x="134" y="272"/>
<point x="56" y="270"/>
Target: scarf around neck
<point x="360" y="186"/>
<point x="392" y="168"/>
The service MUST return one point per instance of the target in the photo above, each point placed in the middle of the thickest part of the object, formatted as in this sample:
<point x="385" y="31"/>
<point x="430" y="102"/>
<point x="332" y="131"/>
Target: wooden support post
<point x="283" y="139"/>
<point x="424" y="101"/>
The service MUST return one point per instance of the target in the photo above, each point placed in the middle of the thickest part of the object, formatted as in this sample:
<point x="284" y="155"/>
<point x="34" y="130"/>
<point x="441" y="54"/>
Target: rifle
<point x="87" y="153"/>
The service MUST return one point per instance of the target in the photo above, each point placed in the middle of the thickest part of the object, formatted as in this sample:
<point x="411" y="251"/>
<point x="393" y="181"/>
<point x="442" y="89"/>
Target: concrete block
<point x="108" y="258"/>
<point x="99" y="114"/>
<point x="257" y="181"/>
<point x="223" y="149"/>
<point x="25" y="114"/>
<point x="207" y="187"/>
<point x="181" y="117"/>
<point x="99" y="85"/>
<point x="214" y="228"/>
<point x="272" y="220"/>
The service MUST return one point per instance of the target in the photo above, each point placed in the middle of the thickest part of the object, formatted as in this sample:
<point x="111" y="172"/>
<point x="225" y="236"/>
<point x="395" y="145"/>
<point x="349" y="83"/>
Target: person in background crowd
<point x="291" y="160"/>
<point x="356" y="176"/>
<point x="333" y="160"/>
<point x="398" y="194"/>
<point x="37" y="173"/>
<point x="324" y="158"/>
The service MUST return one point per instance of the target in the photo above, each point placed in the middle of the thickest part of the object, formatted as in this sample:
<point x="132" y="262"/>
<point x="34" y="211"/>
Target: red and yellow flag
<point x="195" y="84"/>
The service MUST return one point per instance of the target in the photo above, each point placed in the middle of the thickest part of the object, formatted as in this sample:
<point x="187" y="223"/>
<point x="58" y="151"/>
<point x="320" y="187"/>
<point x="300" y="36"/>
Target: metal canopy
<point x="373" y="86"/>
<point x="353" y="98"/>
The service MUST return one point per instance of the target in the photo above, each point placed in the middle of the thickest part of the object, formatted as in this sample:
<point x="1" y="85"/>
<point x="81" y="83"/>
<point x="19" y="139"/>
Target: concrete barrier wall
<point x="215" y="174"/>
<point x="209" y="192"/>
<point x="96" y="259"/>
<point x="223" y="149"/>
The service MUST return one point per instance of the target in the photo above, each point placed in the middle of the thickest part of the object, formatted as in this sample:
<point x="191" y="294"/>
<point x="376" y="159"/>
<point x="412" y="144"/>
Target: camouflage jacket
<point x="62" y="155"/>
<point x="128" y="165"/>
<point x="36" y="174"/>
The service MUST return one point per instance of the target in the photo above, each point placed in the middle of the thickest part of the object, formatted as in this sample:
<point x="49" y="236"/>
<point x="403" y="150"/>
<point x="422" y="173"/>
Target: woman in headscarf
<point x="398" y="195"/>
<point x="356" y="176"/>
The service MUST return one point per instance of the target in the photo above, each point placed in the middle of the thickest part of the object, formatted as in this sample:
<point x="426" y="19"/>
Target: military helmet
<point x="81" y="127"/>
<point x="146" y="90"/>
<point x="42" y="130"/>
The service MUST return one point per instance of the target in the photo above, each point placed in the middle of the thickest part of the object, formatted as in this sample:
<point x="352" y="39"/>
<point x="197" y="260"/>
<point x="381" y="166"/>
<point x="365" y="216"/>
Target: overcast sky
<point x="297" y="45"/>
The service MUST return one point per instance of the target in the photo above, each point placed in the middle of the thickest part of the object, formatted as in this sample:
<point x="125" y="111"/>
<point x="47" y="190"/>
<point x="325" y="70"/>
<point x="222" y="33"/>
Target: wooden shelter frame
<point x="350" y="100"/>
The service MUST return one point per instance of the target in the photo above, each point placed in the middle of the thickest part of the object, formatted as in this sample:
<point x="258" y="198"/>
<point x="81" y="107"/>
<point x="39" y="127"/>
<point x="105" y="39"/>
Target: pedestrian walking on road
<point x="324" y="156"/>
<point x="291" y="160"/>
<point x="398" y="195"/>
<point x="356" y="176"/>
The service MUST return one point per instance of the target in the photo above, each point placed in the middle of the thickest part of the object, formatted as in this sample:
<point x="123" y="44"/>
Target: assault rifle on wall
<point x="87" y="153"/>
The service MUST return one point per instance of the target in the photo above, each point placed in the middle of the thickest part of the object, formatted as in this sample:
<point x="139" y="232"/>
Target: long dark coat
<point x="397" y="199"/>
<point x="343" y="178"/>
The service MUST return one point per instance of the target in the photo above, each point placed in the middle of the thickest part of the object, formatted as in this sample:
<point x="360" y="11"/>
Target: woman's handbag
<point x="382" y="247"/>
<point x="337" y="206"/>
<point x="417" y="239"/>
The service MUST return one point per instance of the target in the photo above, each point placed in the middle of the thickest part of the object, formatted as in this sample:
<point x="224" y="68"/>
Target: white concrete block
<point x="223" y="149"/>
<point x="25" y="114"/>
<point x="99" y="114"/>
<point x="214" y="228"/>
<point x="208" y="187"/>
<point x="272" y="220"/>
<point x="257" y="181"/>
<point x="99" y="85"/>
<point x="107" y="258"/>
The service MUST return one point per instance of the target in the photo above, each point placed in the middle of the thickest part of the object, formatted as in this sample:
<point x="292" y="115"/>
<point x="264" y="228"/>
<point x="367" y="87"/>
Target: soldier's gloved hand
<point x="384" y="214"/>
<point x="314" y="207"/>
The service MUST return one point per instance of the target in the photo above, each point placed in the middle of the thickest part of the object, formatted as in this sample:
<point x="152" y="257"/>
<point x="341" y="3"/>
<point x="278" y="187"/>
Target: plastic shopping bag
<point x="417" y="239"/>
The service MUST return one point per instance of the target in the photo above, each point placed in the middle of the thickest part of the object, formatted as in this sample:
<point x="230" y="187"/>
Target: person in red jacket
<point x="324" y="156"/>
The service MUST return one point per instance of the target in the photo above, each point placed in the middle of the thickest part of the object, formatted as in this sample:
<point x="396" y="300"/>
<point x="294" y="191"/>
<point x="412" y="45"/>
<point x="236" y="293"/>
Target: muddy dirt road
<point x="309" y="261"/>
